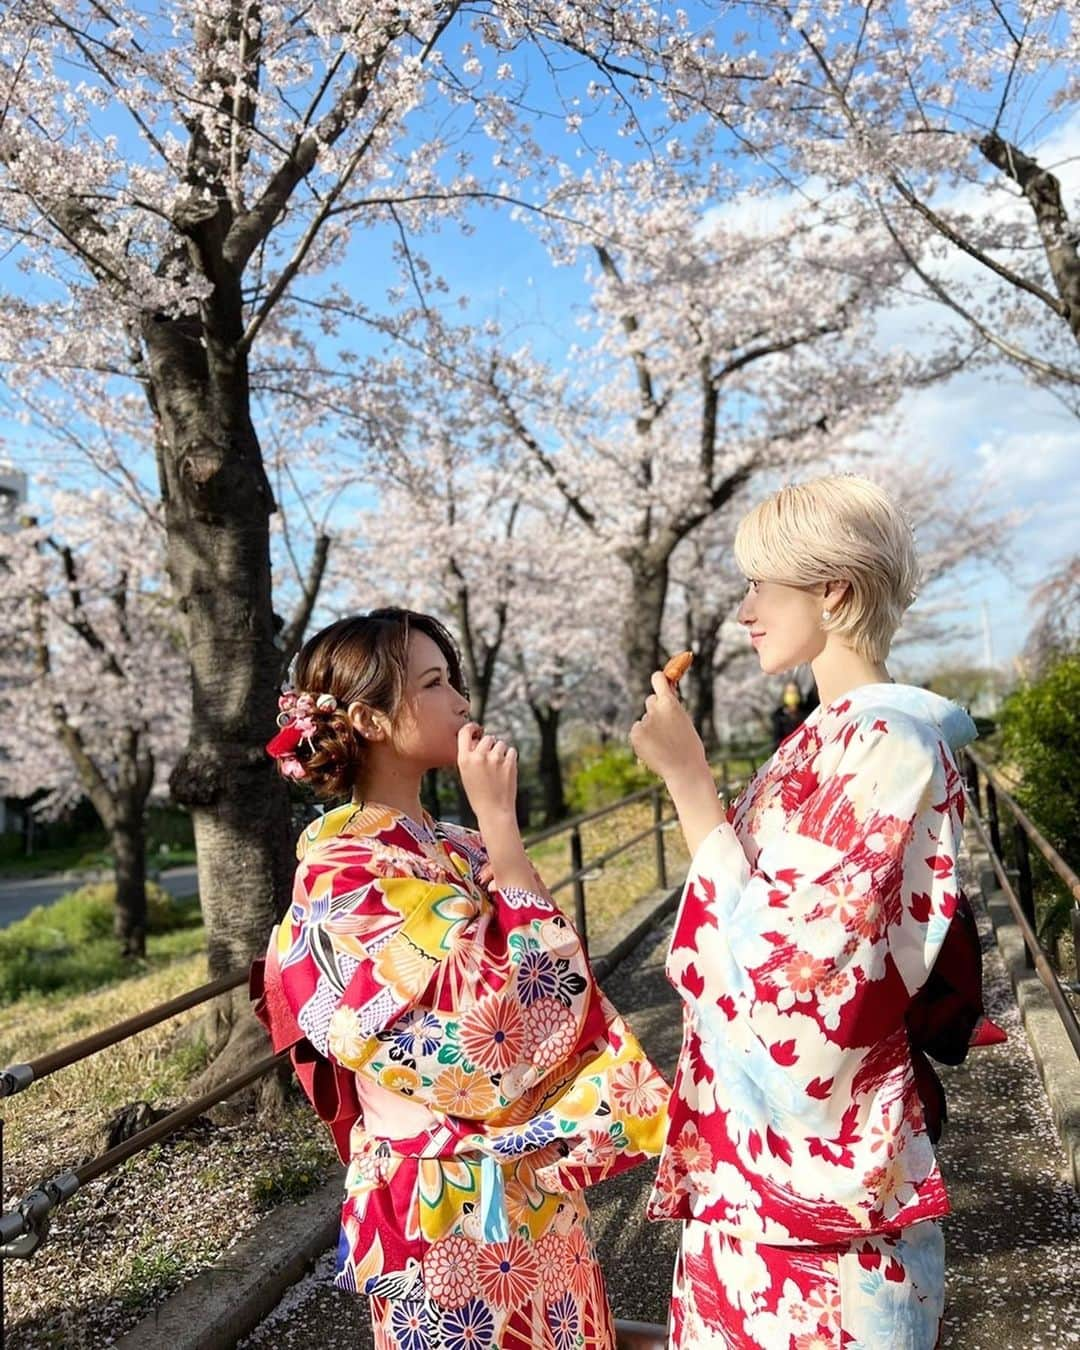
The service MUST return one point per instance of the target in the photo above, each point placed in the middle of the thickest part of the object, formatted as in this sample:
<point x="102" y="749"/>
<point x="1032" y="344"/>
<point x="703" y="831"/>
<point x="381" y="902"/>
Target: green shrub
<point x="70" y="944"/>
<point x="603" y="775"/>
<point x="1040" y="737"/>
<point x="1040" y="732"/>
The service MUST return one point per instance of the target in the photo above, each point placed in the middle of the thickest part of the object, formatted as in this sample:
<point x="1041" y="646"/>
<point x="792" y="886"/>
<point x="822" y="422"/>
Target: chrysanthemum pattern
<point x="550" y="1032"/>
<point x="492" y="1035"/>
<point x="495" y="1034"/>
<point x="476" y="1294"/>
<point x="507" y="1272"/>
<point x="450" y="1271"/>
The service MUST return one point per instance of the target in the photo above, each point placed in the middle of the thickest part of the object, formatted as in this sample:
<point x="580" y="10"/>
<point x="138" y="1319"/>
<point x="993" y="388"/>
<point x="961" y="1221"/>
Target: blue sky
<point x="988" y="428"/>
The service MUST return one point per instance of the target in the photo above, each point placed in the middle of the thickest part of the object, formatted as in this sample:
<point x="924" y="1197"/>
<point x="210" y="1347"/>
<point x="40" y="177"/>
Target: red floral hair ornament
<point x="297" y="720"/>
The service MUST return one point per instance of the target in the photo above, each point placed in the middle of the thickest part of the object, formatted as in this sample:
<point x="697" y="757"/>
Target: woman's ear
<point x="370" y="724"/>
<point x="836" y="592"/>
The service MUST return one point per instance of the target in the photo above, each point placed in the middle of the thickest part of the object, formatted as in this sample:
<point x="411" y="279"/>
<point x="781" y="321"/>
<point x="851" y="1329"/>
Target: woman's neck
<point x="838" y="670"/>
<point x="392" y="784"/>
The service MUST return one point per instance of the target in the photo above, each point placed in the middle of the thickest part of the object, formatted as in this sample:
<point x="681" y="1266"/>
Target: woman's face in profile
<point x="783" y="623"/>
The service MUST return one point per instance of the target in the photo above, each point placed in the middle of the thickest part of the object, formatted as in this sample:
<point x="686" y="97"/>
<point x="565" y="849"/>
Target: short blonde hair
<point x="840" y="527"/>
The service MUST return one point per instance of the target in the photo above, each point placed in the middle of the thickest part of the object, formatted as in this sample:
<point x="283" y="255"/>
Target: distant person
<point x="800" y="1155"/>
<point x="790" y="715"/>
<point x="442" y="1013"/>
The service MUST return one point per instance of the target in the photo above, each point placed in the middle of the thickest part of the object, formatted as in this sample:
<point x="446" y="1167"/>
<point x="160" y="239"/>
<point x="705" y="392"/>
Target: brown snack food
<point x="677" y="667"/>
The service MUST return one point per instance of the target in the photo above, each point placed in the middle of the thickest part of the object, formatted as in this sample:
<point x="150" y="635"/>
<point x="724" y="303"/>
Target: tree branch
<point x="1043" y="192"/>
<point x="294" y="632"/>
<point x="1046" y="369"/>
<point x="529" y="441"/>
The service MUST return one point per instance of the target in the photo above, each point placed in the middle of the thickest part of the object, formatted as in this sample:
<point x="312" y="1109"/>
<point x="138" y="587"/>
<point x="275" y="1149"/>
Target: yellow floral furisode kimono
<point x="474" y="1076"/>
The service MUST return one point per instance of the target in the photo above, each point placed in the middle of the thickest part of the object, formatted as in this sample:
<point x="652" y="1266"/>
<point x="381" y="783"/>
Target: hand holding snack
<point x="488" y="769"/>
<point x="665" y="739"/>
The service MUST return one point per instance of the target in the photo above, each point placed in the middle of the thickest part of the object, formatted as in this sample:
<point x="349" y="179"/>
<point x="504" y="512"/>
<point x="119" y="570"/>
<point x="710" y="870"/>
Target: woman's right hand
<point x="488" y="769"/>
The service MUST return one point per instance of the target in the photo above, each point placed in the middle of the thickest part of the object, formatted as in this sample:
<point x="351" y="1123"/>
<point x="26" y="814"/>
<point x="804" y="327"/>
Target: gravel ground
<point x="1012" y="1239"/>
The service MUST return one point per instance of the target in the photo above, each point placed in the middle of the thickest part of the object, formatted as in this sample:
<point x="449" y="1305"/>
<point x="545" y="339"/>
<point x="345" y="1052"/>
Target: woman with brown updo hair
<point x="441" y="1012"/>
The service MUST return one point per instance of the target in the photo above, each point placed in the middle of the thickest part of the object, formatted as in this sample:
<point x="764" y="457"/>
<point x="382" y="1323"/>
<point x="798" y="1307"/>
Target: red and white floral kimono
<point x="798" y="1153"/>
<point x="473" y="1076"/>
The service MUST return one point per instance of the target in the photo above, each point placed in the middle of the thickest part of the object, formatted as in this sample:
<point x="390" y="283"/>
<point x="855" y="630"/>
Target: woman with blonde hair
<point x="800" y="1152"/>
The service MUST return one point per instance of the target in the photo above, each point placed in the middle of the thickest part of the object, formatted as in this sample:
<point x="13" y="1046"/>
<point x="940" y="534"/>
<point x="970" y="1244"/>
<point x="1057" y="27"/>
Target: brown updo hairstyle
<point x="360" y="659"/>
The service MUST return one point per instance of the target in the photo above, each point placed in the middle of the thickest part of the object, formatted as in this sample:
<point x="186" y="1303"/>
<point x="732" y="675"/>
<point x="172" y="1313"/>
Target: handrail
<point x="583" y="873"/>
<point x="751" y="752"/>
<point x="18" y="1077"/>
<point x="1036" y="955"/>
<point x="24" y="1228"/>
<point x="1056" y="862"/>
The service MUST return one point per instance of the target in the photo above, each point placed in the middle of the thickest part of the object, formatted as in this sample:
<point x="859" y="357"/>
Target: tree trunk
<point x="217" y="507"/>
<point x="642" y="651"/>
<point x="703" y="690"/>
<point x="550" y="768"/>
<point x="127" y="836"/>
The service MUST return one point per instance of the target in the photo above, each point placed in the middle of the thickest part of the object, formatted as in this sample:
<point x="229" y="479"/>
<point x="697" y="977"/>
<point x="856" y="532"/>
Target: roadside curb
<point x="1058" y="1065"/>
<point x="620" y="938"/>
<point x="220" y="1306"/>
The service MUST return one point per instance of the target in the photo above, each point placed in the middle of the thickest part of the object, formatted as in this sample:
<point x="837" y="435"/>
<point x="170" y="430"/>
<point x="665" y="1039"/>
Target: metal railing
<point x="24" y="1228"/>
<point x="582" y="871"/>
<point x="982" y="777"/>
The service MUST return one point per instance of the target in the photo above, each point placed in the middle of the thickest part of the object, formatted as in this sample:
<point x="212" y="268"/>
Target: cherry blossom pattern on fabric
<point x="808" y="922"/>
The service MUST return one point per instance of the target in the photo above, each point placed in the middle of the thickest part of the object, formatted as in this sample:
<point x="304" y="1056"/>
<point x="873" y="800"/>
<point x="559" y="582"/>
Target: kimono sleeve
<point x="358" y="950"/>
<point x="820" y="945"/>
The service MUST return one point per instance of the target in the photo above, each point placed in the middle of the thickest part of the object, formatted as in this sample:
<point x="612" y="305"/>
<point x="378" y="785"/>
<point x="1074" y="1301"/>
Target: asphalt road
<point x="19" y="897"/>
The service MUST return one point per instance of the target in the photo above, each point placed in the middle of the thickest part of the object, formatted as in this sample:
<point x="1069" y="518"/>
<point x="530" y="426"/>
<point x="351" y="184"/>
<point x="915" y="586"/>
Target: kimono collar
<point x="364" y="820"/>
<point x="396" y="837"/>
<point x="951" y="721"/>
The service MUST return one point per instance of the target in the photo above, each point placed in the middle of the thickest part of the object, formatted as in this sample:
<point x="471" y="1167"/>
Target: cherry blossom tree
<point x="729" y="344"/>
<point x="92" y="678"/>
<point x="173" y="176"/>
<point x="949" y="125"/>
<point x="464" y="526"/>
<point x="1055" y="631"/>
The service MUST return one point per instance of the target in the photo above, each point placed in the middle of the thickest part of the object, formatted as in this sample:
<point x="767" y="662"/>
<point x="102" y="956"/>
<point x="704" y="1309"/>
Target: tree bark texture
<point x="217" y="507"/>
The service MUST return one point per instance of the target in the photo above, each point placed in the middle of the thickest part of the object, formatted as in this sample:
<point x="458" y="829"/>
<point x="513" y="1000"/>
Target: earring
<point x="826" y="615"/>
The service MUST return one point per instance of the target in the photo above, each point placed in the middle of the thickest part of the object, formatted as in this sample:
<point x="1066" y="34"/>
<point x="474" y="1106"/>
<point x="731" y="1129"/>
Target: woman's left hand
<point x="664" y="739"/>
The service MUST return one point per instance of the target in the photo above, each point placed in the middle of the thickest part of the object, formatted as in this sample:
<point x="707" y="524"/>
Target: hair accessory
<point x="297" y="722"/>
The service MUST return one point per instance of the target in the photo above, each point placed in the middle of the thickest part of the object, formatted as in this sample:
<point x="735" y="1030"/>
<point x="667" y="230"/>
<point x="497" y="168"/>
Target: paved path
<point x="18" y="897"/>
<point x="1013" y="1240"/>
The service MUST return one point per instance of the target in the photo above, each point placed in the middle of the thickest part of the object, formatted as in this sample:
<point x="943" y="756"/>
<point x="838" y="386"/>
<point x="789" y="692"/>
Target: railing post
<point x="973" y="783"/>
<point x="992" y="817"/>
<point x="577" y="866"/>
<point x="1027" y="890"/>
<point x="1074" y="915"/>
<point x="661" y="860"/>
